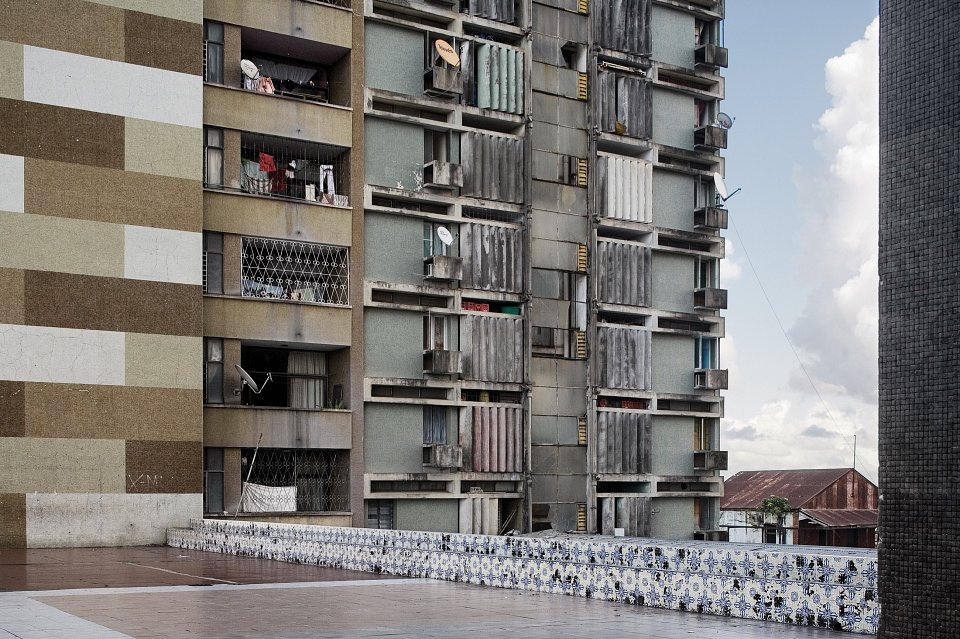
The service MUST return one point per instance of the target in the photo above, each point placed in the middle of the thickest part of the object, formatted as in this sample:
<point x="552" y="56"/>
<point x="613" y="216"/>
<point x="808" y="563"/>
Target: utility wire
<point x="793" y="349"/>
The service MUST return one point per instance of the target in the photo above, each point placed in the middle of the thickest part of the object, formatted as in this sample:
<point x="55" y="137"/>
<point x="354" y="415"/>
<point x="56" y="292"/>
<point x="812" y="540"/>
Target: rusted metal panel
<point x="623" y="273"/>
<point x="496" y="438"/>
<point x="492" y="257"/>
<point x="623" y="442"/>
<point x="625" y="104"/>
<point x="625" y="188"/>
<point x="843" y="518"/>
<point x="803" y="489"/>
<point x="492" y="165"/>
<point x="624" y="358"/>
<point x="623" y="25"/>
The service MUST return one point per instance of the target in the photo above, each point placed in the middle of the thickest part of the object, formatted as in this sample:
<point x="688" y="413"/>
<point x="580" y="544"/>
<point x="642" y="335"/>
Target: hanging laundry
<point x="266" y="163"/>
<point x="265" y="85"/>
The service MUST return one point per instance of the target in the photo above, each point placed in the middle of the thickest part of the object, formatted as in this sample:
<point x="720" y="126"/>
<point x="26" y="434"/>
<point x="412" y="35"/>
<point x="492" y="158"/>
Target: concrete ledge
<point x="832" y="588"/>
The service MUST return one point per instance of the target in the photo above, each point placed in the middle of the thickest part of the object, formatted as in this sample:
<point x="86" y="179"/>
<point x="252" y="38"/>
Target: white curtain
<point x="306" y="392"/>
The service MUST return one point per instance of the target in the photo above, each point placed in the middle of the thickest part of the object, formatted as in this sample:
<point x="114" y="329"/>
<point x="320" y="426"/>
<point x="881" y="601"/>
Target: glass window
<point x="707" y="353"/>
<point x="212" y="262"/>
<point x="213" y="480"/>
<point x="380" y="514"/>
<point x="213" y="370"/>
<point x="213" y="52"/>
<point x="434" y="425"/>
<point x="213" y="157"/>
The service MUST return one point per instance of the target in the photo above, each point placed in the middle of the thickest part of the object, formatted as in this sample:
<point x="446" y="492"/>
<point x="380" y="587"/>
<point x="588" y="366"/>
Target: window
<point x="297" y="271"/>
<point x="213" y="480"/>
<point x="213" y="52"/>
<point x="436" y="334"/>
<point x="298" y="378"/>
<point x="703" y="433"/>
<point x="315" y="480"/>
<point x="212" y="262"/>
<point x="436" y="146"/>
<point x="707" y="353"/>
<point x="560" y="339"/>
<point x="703" y="194"/>
<point x="432" y="245"/>
<point x="380" y="514"/>
<point x="772" y="535"/>
<point x="434" y="425"/>
<point x="212" y="157"/>
<point x="707" y="274"/>
<point x="212" y="370"/>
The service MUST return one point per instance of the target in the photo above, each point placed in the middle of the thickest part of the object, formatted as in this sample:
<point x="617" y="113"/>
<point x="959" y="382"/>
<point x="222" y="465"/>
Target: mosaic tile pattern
<point x="832" y="589"/>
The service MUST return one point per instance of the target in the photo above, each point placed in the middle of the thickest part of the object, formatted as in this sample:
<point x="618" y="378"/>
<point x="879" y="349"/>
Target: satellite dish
<point x="249" y="69"/>
<point x="447" y="52"/>
<point x="721" y="186"/>
<point x="445" y="236"/>
<point x="248" y="380"/>
<point x="724" y="120"/>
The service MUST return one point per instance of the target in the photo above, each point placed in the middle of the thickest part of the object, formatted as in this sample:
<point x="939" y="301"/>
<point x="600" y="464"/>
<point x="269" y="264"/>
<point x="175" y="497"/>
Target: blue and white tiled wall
<point x="832" y="588"/>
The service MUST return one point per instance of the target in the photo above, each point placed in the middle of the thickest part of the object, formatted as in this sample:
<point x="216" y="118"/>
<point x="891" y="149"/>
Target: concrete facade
<point x="425" y="265"/>
<point x="919" y="522"/>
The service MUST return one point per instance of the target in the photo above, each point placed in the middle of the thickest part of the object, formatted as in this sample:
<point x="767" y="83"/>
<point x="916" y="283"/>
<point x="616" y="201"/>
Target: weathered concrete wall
<point x="802" y="585"/>
<point x="673" y="37"/>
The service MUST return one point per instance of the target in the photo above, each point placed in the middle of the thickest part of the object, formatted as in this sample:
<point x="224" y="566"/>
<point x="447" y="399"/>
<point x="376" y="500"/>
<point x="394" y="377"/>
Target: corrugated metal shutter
<point x="630" y="513"/>
<point x="499" y="77"/>
<point x="623" y="356"/>
<point x="624" y="273"/>
<point x="499" y="10"/>
<point x="624" y="25"/>
<point x="496" y="439"/>
<point x="492" y="257"/>
<point x="492" y="166"/>
<point x="626" y="188"/>
<point x="492" y="348"/>
<point x="623" y="442"/>
<point x="480" y="516"/>
<point x="625" y="106"/>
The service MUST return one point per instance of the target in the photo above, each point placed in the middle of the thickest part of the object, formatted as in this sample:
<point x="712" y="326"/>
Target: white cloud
<point x="836" y="332"/>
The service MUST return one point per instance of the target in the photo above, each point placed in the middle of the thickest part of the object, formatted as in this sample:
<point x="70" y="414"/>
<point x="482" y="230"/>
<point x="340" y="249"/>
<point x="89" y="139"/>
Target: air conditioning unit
<point x="710" y="137"/>
<point x="443" y="81"/>
<point x="710" y="379"/>
<point x="443" y="268"/>
<point x="714" y="299"/>
<point x="439" y="362"/>
<point x="710" y="217"/>
<point x="442" y="175"/>
<point x="710" y="460"/>
<point x="711" y="55"/>
<point x="442" y="456"/>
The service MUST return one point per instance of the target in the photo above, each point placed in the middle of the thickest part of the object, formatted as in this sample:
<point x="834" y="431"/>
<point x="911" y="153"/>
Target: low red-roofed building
<point x="829" y="507"/>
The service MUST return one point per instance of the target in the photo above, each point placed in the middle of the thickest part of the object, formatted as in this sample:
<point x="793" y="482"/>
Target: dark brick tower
<point x="920" y="319"/>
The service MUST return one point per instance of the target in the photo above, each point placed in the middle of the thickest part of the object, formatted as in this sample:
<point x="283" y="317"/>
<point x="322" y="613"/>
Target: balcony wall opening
<point x="294" y="480"/>
<point x="299" y="379"/>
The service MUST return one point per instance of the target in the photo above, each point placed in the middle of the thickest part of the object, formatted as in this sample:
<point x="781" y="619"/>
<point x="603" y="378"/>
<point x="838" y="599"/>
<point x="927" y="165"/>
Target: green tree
<point x="778" y="507"/>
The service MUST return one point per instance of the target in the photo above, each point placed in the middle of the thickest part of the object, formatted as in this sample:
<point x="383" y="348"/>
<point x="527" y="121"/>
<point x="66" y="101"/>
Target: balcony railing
<point x="710" y="217"/>
<point x="710" y="459"/>
<point x="292" y="169"/>
<point x="296" y="480"/>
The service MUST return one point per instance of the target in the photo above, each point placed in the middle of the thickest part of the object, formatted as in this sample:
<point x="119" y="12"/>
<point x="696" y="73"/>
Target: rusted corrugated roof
<point x="839" y="518"/>
<point x="746" y="489"/>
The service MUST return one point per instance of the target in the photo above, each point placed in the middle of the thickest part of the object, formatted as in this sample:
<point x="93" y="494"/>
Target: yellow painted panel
<point x="45" y="243"/>
<point x="33" y="464"/>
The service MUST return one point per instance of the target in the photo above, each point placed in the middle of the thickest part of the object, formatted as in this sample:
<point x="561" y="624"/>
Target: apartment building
<point x="542" y="252"/>
<point x="447" y="265"/>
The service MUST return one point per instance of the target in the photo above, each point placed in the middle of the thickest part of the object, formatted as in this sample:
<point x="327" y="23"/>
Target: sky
<point x="801" y="267"/>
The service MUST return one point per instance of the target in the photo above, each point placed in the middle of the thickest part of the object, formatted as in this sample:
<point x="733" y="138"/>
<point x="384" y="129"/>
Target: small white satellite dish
<point x="249" y="69"/>
<point x="721" y="186"/>
<point x="445" y="236"/>
<point x="724" y="121"/>
<point x="248" y="380"/>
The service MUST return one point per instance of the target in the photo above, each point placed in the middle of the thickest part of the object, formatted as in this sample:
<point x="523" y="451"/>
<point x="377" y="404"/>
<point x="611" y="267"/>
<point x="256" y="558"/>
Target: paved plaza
<point x="167" y="592"/>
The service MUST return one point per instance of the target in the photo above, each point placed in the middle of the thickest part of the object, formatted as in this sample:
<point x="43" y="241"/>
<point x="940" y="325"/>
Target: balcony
<point x="291" y="169"/>
<point x="443" y="268"/>
<point x="443" y="175"/>
<point x="710" y="459"/>
<point x="710" y="379"/>
<point x="438" y="362"/>
<point x="710" y="217"/>
<point x="711" y="55"/>
<point x="710" y="138"/>
<point x="443" y="456"/>
<point x="713" y="299"/>
<point x="443" y="81"/>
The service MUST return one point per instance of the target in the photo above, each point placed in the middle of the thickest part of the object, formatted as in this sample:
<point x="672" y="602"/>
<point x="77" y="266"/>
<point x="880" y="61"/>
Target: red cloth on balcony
<point x="266" y="163"/>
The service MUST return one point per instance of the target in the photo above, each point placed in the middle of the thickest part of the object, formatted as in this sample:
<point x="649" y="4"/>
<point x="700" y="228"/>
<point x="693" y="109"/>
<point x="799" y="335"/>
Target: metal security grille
<point x="299" y="271"/>
<point x="304" y="480"/>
